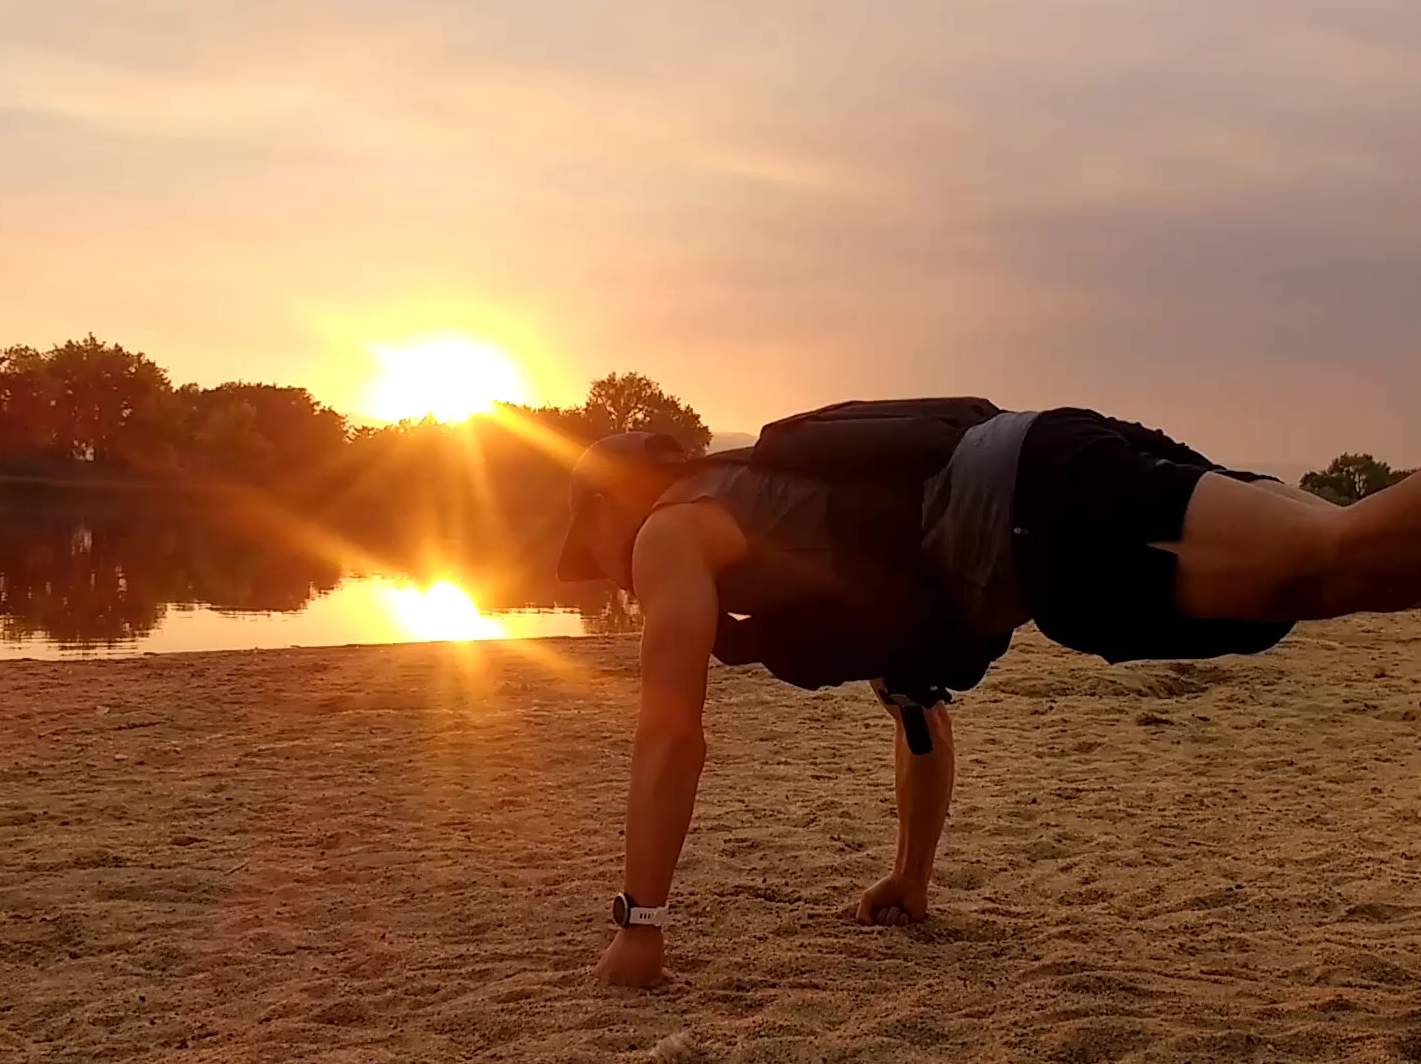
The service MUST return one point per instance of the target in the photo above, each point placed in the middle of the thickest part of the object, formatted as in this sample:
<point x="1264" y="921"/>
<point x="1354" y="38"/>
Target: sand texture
<point x="406" y="854"/>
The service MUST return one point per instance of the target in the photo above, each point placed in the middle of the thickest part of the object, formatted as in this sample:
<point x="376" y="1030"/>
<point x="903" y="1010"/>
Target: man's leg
<point x="1251" y="552"/>
<point x="1287" y="491"/>
<point x="1381" y="550"/>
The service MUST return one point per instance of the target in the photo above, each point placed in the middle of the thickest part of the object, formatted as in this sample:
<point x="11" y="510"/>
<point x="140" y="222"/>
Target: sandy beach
<point x="406" y="853"/>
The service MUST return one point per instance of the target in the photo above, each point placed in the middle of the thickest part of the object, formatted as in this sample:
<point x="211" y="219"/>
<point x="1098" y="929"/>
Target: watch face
<point x="620" y="911"/>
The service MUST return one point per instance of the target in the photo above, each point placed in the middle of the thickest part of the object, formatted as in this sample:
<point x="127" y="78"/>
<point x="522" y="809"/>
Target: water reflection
<point x="79" y="578"/>
<point x="440" y="611"/>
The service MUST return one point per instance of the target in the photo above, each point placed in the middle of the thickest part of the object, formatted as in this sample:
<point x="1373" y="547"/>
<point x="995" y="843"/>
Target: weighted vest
<point x="886" y="614"/>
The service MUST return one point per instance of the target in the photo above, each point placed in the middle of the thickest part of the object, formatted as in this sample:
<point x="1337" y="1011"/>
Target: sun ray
<point x="287" y="525"/>
<point x="558" y="447"/>
<point x="545" y="654"/>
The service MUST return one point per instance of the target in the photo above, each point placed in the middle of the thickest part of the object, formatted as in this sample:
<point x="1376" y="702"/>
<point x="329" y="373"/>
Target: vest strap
<point x="914" y="718"/>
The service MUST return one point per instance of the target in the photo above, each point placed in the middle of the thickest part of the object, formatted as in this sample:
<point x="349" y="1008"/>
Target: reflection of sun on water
<point x="449" y="378"/>
<point x="439" y="612"/>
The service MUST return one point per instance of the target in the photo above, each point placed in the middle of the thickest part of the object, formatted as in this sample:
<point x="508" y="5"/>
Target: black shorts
<point x="1092" y="494"/>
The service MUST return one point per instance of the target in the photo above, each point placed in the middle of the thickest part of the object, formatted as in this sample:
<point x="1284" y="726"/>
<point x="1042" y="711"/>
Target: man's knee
<point x="939" y="724"/>
<point x="938" y="719"/>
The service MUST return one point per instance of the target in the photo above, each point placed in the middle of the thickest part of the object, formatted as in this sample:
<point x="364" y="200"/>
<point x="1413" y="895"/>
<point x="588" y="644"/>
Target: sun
<point x="443" y="611"/>
<point x="448" y="378"/>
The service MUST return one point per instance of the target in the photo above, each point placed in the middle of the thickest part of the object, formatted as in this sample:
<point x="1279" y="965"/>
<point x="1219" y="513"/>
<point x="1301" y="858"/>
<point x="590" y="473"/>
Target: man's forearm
<point x="924" y="787"/>
<point x="666" y="769"/>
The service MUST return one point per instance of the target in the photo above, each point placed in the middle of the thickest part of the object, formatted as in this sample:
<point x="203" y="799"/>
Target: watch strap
<point x="639" y="917"/>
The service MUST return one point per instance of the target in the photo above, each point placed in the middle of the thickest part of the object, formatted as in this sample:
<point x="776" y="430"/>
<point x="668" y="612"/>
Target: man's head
<point x="614" y="486"/>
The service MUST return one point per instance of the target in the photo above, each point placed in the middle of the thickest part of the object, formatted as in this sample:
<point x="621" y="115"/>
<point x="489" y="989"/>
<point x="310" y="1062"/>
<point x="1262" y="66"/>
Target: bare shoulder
<point x="697" y="536"/>
<point x="669" y="540"/>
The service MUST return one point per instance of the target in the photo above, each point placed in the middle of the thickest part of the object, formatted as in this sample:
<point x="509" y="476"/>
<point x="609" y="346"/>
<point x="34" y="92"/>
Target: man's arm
<point x="676" y="589"/>
<point x="924" y="790"/>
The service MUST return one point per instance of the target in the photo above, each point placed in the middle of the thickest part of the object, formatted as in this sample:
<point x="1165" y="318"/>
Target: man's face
<point x="612" y="530"/>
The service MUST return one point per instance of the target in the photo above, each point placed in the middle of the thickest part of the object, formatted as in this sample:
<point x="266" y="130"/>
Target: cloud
<point x="1030" y="198"/>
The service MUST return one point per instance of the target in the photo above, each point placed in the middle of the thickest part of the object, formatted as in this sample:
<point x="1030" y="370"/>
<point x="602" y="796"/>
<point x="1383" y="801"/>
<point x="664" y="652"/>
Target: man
<point x="1113" y="538"/>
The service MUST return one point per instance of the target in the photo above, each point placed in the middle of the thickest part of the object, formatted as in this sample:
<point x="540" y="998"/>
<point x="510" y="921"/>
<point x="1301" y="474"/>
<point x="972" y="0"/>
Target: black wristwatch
<point x="626" y="913"/>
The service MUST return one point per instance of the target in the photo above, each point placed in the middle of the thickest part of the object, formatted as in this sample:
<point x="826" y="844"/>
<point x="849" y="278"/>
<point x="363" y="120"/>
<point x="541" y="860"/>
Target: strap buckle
<point x="914" y="718"/>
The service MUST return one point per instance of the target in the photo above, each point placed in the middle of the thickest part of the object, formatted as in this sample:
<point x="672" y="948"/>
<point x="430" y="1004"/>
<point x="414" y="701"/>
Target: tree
<point x="228" y="440"/>
<point x="85" y="405"/>
<point x="1351" y="478"/>
<point x="630" y="402"/>
<point x="27" y="410"/>
<point x="112" y="403"/>
<point x="264" y="433"/>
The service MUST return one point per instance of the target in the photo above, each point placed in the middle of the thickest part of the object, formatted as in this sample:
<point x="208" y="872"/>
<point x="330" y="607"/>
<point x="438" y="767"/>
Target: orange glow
<point x="442" y="611"/>
<point x="549" y="442"/>
<point x="449" y="378"/>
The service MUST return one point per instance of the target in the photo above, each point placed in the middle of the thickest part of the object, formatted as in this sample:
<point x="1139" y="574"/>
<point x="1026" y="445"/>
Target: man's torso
<point x="966" y="531"/>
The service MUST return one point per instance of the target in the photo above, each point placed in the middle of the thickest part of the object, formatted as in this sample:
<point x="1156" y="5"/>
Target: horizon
<point x="483" y="400"/>
<point x="1202" y="221"/>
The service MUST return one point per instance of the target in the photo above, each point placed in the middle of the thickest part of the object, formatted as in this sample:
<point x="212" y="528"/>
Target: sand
<point x="406" y="854"/>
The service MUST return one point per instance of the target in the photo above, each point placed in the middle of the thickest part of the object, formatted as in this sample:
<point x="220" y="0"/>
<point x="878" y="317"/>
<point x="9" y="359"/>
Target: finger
<point x="864" y="915"/>
<point x="887" y="916"/>
<point x="904" y="919"/>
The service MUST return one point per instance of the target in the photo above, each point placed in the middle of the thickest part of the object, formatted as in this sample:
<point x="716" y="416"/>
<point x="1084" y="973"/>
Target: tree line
<point x="94" y="413"/>
<point x="1352" y="477"/>
<point x="89" y="411"/>
<point x="87" y="407"/>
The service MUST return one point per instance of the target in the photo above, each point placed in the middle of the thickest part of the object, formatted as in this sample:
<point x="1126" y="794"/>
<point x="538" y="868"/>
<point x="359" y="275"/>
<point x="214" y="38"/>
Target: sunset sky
<point x="1201" y="215"/>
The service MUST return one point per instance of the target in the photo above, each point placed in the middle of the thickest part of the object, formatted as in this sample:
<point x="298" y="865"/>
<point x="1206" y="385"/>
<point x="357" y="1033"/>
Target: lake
<point x="103" y="578"/>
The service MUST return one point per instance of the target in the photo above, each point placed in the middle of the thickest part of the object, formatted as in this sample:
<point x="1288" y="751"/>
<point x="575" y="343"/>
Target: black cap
<point x="614" y="465"/>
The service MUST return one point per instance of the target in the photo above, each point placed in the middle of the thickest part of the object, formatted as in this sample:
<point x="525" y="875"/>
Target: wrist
<point x="628" y="911"/>
<point x="641" y="933"/>
<point x="912" y="878"/>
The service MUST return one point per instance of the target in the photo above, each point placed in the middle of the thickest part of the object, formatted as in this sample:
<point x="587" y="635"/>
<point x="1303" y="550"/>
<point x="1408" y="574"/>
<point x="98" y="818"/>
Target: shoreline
<point x="451" y="645"/>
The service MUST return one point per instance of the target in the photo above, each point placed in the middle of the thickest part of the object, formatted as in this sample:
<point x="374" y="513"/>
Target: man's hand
<point x="893" y="902"/>
<point x="635" y="958"/>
